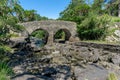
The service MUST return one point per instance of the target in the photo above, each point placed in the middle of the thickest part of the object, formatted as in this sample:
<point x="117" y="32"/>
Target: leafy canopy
<point x="91" y="18"/>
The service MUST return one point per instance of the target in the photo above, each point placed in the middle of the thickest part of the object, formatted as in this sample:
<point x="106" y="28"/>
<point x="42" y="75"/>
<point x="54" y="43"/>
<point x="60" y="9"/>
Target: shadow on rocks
<point x="58" y="72"/>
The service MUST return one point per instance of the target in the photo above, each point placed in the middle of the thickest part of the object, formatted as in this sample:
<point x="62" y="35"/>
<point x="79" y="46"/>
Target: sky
<point x="48" y="8"/>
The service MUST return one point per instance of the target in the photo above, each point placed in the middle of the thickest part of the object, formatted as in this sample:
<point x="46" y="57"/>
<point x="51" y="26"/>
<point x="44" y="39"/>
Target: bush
<point x="93" y="27"/>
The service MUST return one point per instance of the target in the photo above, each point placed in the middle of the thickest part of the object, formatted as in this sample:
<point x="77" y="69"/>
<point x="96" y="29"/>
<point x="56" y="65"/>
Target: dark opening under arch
<point x="62" y="35"/>
<point x="40" y="34"/>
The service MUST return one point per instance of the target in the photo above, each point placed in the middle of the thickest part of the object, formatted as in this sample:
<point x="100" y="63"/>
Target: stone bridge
<point x="51" y="27"/>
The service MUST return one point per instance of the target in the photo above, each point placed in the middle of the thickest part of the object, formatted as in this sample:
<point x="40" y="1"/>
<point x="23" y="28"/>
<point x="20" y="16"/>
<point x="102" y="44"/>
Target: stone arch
<point x="51" y="26"/>
<point x="67" y="34"/>
<point x="46" y="34"/>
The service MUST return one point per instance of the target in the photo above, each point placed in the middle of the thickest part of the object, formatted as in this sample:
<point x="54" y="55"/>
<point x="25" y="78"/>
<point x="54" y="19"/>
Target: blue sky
<point x="48" y="8"/>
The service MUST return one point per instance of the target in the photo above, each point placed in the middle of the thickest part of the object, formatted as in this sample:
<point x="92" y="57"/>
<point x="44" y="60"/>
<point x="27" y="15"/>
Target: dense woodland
<point x="91" y="19"/>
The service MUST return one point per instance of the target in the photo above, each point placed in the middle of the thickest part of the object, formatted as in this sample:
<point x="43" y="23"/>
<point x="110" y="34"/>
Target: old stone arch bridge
<point x="51" y="27"/>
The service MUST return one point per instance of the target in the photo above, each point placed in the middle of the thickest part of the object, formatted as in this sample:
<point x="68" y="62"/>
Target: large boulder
<point x="91" y="72"/>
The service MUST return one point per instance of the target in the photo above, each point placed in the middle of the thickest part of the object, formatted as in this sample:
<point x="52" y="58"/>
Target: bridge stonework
<point x="51" y="27"/>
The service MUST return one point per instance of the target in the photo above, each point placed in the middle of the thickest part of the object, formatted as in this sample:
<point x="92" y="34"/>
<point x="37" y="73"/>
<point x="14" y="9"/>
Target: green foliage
<point x="82" y="9"/>
<point x="4" y="53"/>
<point x="29" y="15"/>
<point x="93" y="27"/>
<point x="115" y="19"/>
<point x="38" y="17"/>
<point x="5" y="71"/>
<point x="76" y="11"/>
<point x="60" y="35"/>
<point x="39" y="34"/>
<point x="112" y="76"/>
<point x="26" y="15"/>
<point x="112" y="7"/>
<point x="111" y="31"/>
<point x="7" y="25"/>
<point x="8" y="22"/>
<point x="97" y="6"/>
<point x="4" y="49"/>
<point x="90" y="18"/>
<point x="18" y="12"/>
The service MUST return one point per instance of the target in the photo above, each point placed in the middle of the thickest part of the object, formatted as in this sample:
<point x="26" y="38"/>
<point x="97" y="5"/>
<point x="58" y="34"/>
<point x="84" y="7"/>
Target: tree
<point x="8" y="22"/>
<point x="82" y="9"/>
<point x="90" y="22"/>
<point x="18" y="12"/>
<point x="74" y="11"/>
<point x="113" y="7"/>
<point x="29" y="15"/>
<point x="117" y="2"/>
<point x="97" y="6"/>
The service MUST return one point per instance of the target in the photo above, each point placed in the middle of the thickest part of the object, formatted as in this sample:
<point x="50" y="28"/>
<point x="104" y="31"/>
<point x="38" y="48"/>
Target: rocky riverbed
<point x="66" y="62"/>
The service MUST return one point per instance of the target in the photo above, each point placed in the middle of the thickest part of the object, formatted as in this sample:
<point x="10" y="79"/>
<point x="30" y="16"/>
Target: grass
<point x="5" y="71"/>
<point x="111" y="32"/>
<point x="112" y="76"/>
<point x="100" y="42"/>
<point x="115" y="19"/>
